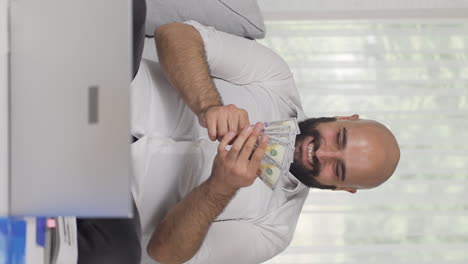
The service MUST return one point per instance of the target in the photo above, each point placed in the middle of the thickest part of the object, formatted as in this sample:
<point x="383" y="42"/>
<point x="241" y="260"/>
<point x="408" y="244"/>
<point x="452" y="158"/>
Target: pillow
<point x="239" y="17"/>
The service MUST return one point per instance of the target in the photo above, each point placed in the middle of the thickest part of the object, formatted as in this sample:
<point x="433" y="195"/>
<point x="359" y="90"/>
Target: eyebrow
<point x="343" y="146"/>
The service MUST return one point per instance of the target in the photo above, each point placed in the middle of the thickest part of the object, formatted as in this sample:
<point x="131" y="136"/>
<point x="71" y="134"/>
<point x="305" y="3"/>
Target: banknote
<point x="269" y="173"/>
<point x="280" y="150"/>
<point x="291" y="124"/>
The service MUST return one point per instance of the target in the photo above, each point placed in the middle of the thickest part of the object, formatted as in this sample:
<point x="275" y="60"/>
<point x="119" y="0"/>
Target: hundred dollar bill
<point x="269" y="173"/>
<point x="280" y="150"/>
<point x="277" y="139"/>
<point x="289" y="139"/>
<point x="279" y="129"/>
<point x="282" y="133"/>
<point x="291" y="123"/>
<point x="277" y="152"/>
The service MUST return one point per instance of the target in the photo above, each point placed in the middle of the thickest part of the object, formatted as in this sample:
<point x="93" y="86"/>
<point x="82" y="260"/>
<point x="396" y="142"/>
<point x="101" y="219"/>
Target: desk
<point x="38" y="240"/>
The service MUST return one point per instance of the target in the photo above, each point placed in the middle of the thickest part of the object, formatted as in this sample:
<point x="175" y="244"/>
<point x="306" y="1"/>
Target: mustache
<point x="317" y="167"/>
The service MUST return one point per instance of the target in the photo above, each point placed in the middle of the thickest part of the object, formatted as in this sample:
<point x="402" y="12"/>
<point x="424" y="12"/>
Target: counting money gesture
<point x="237" y="167"/>
<point x="223" y="119"/>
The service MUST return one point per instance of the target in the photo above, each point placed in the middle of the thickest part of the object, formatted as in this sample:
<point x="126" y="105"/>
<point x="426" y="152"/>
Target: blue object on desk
<point x="12" y="241"/>
<point x="41" y="231"/>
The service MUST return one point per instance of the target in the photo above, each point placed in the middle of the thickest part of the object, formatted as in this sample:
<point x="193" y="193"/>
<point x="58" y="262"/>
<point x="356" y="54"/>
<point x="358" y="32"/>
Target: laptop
<point x="3" y="108"/>
<point x="68" y="122"/>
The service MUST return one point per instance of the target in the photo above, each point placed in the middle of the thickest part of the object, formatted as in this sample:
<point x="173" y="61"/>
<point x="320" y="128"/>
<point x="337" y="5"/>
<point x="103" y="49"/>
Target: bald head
<point x="381" y="147"/>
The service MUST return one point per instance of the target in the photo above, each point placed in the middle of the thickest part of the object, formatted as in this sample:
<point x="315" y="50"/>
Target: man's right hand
<point x="222" y="119"/>
<point x="237" y="167"/>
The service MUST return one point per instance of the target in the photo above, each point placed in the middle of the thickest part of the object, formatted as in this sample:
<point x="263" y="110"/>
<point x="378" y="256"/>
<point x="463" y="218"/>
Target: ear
<point x="353" y="117"/>
<point x="351" y="190"/>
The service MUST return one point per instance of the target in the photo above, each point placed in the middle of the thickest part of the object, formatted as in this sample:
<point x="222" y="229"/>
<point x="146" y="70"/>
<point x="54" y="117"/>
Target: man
<point x="200" y="202"/>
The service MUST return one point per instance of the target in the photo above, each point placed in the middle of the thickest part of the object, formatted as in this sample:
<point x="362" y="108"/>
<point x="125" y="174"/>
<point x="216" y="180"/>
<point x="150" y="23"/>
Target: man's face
<point x="345" y="153"/>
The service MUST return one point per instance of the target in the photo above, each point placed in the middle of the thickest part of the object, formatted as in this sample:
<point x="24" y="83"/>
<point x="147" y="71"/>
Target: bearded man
<point x="201" y="201"/>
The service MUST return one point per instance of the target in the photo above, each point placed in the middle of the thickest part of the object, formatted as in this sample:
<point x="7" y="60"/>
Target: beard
<point x="308" y="176"/>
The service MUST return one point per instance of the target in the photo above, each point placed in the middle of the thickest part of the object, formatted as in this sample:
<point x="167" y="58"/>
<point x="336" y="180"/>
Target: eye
<point x="336" y="171"/>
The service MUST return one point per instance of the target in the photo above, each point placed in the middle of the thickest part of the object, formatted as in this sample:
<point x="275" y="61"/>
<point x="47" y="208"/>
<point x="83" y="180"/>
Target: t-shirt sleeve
<point x="238" y="241"/>
<point x="239" y="60"/>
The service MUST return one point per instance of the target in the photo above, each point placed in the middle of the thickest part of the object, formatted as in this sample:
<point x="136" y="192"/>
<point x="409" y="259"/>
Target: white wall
<point x="362" y="9"/>
<point x="3" y="108"/>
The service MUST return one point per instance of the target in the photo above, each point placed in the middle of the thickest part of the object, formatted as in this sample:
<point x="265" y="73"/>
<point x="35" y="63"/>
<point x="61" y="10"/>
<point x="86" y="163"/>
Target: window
<point x="412" y="76"/>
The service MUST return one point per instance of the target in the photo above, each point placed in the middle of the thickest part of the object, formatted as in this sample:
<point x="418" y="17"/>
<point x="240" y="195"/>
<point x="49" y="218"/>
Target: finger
<point x="257" y="157"/>
<point x="233" y="122"/>
<point x="244" y="120"/>
<point x="249" y="145"/>
<point x="212" y="132"/>
<point x="202" y="120"/>
<point x="237" y="146"/>
<point x="232" y="140"/>
<point x="222" y="126"/>
<point x="223" y="144"/>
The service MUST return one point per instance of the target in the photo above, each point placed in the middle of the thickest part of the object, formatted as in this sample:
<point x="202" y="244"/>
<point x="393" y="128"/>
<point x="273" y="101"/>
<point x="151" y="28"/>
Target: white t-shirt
<point x="174" y="154"/>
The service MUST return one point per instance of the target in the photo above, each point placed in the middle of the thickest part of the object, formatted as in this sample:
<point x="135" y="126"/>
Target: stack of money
<point x="280" y="151"/>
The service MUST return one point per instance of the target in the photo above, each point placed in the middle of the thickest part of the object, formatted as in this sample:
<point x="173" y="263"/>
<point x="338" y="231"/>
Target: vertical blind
<point x="411" y="75"/>
<point x="359" y="9"/>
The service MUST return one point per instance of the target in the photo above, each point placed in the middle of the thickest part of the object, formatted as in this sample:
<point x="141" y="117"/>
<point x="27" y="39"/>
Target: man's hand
<point x="237" y="167"/>
<point x="223" y="119"/>
<point x="180" y="234"/>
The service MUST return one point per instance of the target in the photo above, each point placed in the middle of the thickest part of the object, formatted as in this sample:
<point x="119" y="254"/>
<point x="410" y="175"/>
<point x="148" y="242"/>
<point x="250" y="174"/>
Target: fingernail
<point x="258" y="127"/>
<point x="264" y="138"/>
<point x="231" y="134"/>
<point x="248" y="129"/>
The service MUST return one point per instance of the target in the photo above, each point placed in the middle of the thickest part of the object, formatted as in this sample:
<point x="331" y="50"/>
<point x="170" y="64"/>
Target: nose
<point x="327" y="154"/>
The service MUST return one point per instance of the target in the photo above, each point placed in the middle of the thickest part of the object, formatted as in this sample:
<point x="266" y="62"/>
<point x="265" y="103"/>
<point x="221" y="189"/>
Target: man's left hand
<point x="222" y="119"/>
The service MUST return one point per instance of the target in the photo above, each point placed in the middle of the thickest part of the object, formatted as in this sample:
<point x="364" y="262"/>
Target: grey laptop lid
<point x="70" y="74"/>
<point x="4" y="179"/>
